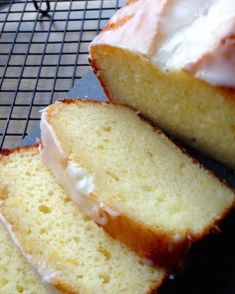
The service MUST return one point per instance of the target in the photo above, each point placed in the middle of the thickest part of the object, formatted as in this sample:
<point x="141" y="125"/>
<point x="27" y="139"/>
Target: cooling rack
<point x="43" y="53"/>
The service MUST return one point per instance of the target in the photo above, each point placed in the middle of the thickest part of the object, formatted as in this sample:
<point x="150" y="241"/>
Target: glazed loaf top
<point x="195" y="36"/>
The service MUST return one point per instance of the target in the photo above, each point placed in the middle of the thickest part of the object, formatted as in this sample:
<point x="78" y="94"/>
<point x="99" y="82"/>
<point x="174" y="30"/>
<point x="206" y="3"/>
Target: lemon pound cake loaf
<point x="175" y="62"/>
<point x="66" y="247"/>
<point x="16" y="276"/>
<point x="131" y="179"/>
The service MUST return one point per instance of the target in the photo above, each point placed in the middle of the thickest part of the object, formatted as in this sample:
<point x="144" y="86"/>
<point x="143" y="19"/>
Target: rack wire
<point x="42" y="56"/>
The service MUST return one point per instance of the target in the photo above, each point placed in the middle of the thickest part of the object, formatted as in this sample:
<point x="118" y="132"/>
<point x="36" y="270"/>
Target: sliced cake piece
<point x="175" y="62"/>
<point x="16" y="276"/>
<point x="131" y="179"/>
<point x="66" y="247"/>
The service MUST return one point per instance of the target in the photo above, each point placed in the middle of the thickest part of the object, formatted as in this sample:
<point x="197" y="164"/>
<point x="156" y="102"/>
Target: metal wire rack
<point x="42" y="55"/>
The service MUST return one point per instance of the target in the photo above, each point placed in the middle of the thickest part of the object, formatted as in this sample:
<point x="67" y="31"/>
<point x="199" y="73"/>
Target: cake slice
<point x="67" y="248"/>
<point x="131" y="179"/>
<point x="16" y="276"/>
<point x="175" y="62"/>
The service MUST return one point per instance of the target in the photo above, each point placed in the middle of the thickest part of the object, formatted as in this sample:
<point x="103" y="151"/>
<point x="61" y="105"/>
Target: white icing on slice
<point x="75" y="179"/>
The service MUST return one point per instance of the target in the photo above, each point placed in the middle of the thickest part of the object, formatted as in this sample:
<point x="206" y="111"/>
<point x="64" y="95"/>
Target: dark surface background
<point x="211" y="267"/>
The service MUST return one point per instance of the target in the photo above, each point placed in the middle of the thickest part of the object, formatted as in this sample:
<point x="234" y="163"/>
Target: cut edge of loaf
<point x="158" y="247"/>
<point x="53" y="286"/>
<point x="227" y="94"/>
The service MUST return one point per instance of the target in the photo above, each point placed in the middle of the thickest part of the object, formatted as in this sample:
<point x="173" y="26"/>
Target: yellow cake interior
<point x="16" y="276"/>
<point x="69" y="249"/>
<point x="190" y="109"/>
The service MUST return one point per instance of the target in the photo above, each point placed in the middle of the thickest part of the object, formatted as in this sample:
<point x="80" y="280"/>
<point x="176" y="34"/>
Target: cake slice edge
<point x="48" y="276"/>
<point x="156" y="247"/>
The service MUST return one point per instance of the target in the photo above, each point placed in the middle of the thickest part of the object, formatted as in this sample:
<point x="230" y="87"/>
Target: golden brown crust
<point x="96" y="70"/>
<point x="153" y="246"/>
<point x="4" y="153"/>
<point x="156" y="288"/>
<point x="64" y="288"/>
<point x="89" y="101"/>
<point x="114" y="25"/>
<point x="158" y="246"/>
<point x="7" y="152"/>
<point x="228" y="93"/>
<point x="131" y="1"/>
<point x="76" y="100"/>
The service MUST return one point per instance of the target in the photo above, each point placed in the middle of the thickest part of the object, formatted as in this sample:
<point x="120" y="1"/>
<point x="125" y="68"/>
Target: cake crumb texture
<point x="164" y="199"/>
<point x="68" y="249"/>
<point x="16" y="275"/>
<point x="177" y="67"/>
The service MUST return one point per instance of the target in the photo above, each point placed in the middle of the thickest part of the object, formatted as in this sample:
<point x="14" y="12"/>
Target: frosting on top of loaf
<point x="194" y="36"/>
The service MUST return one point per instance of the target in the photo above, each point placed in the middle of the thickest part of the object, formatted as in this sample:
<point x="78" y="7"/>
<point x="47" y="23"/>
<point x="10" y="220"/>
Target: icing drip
<point x="75" y="179"/>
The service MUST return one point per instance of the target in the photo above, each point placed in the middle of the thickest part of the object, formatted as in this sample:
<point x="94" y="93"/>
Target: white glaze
<point x="179" y="35"/>
<point x="9" y="230"/>
<point x="201" y="41"/>
<point x="44" y="274"/>
<point x="84" y="183"/>
<point x="47" y="275"/>
<point x="75" y="179"/>
<point x="138" y="33"/>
